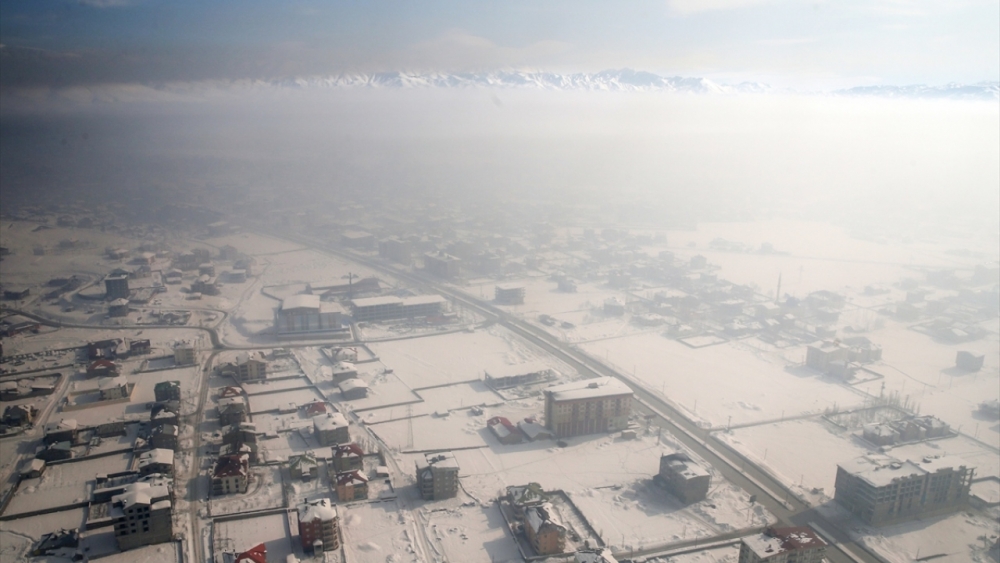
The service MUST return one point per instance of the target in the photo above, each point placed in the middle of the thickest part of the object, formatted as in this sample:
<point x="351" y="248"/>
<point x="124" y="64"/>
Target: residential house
<point x="523" y="497"/>
<point x="102" y="368"/>
<point x="251" y="366"/>
<point x="164" y="437"/>
<point x="351" y="485"/>
<point x="138" y="347"/>
<point x="353" y="389"/>
<point x="232" y="410"/>
<point x="55" y="451"/>
<point x="545" y="532"/>
<point x="331" y="429"/>
<point x="504" y="431"/>
<point x="112" y="388"/>
<point x="61" y="431"/>
<point x="783" y="545"/>
<point x="346" y="457"/>
<point x="19" y="415"/>
<point x="303" y="466"/>
<point x="158" y="460"/>
<point x="231" y="474"/>
<point x="256" y="554"/>
<point x="167" y="391"/>
<point x="319" y="526"/>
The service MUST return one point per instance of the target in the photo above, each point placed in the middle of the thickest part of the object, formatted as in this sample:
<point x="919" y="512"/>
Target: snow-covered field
<point x="274" y="531"/>
<point x="743" y="380"/>
<point x="64" y="483"/>
<point x="437" y="360"/>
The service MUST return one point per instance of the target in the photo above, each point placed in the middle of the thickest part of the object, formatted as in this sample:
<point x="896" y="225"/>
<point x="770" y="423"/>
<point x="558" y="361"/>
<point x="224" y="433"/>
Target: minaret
<point x="777" y="295"/>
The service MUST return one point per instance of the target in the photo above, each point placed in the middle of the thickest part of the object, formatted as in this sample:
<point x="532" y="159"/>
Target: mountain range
<point x="617" y="80"/>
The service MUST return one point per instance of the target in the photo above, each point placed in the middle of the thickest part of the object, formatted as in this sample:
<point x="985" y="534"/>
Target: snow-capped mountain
<point x="609" y="80"/>
<point x="627" y="80"/>
<point x="980" y="91"/>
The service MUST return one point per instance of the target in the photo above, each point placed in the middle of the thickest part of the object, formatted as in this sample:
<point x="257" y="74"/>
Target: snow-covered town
<point x="283" y="384"/>
<point x="668" y="281"/>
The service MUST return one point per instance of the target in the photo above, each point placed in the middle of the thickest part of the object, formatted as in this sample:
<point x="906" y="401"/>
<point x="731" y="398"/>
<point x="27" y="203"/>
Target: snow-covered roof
<point x="684" y="466"/>
<point x="142" y="492"/>
<point x="300" y="302"/>
<point x="321" y="509"/>
<point x="352" y="384"/>
<point x="375" y="301"/>
<point x="392" y="300"/>
<point x="331" y="421"/>
<point x="244" y="357"/>
<point x="230" y="402"/>
<point x="588" y="388"/>
<point x="423" y="300"/>
<point x="348" y="450"/>
<point x="500" y="430"/>
<point x="779" y="540"/>
<point x="344" y="367"/>
<point x="538" y="516"/>
<point x="353" y="477"/>
<point x="881" y="470"/>
<point x="158" y="455"/>
<point x="444" y="459"/>
<point x="533" y="430"/>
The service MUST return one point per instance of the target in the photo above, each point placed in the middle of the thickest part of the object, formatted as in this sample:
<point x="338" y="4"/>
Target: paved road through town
<point x="769" y="491"/>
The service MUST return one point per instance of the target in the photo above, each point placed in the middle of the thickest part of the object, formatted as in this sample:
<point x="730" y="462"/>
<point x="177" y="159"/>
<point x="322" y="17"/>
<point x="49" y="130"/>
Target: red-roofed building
<point x="504" y="431"/>
<point x="102" y="368"/>
<point x="316" y="408"/>
<point x="347" y="457"/>
<point x="256" y="554"/>
<point x="231" y="474"/>
<point x="351" y="485"/>
<point x="782" y="545"/>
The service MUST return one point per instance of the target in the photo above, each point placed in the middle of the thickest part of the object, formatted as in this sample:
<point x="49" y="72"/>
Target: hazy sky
<point x="806" y="45"/>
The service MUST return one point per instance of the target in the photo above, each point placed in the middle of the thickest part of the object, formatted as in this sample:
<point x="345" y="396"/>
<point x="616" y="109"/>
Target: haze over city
<point x="679" y="281"/>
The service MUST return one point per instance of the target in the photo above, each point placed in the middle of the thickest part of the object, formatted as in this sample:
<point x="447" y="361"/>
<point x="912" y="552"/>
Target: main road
<point x="769" y="491"/>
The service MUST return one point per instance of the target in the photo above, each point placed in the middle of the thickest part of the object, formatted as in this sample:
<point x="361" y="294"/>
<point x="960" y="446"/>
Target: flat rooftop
<point x="589" y="388"/>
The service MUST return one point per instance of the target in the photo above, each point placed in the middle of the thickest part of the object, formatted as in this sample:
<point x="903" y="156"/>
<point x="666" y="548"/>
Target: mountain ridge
<point x="618" y="80"/>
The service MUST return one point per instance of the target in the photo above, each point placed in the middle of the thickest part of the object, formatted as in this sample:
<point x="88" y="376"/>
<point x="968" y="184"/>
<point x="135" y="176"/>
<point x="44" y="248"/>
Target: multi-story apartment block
<point x="587" y="407"/>
<point x="251" y="367"/>
<point x="881" y="490"/>
<point x="686" y="479"/>
<point x="142" y="514"/>
<point x="437" y="477"/>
